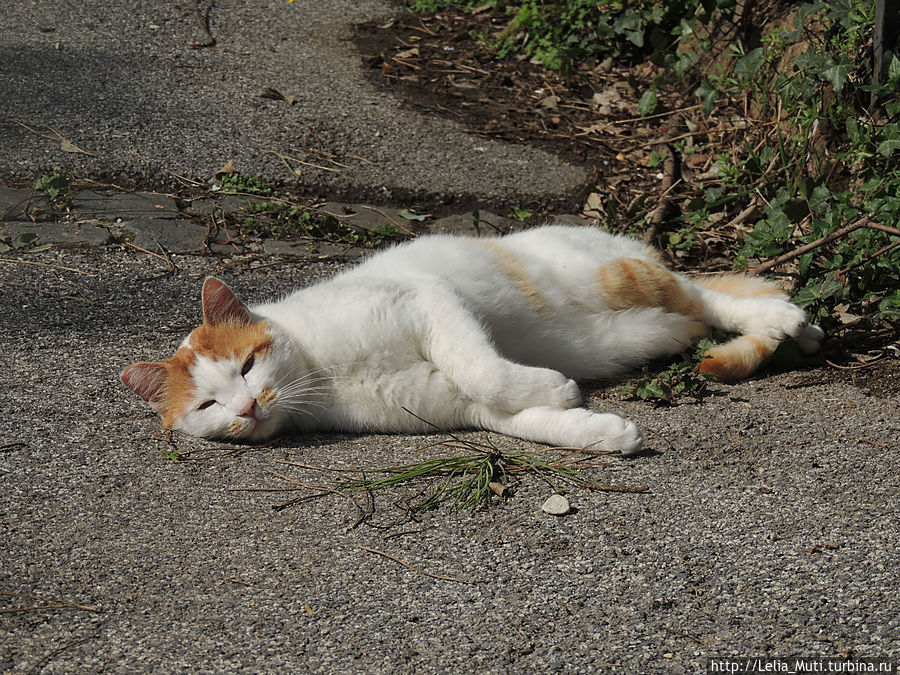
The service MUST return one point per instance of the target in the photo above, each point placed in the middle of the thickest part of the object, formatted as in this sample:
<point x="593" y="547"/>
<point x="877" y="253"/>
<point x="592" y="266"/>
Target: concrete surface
<point x="122" y="83"/>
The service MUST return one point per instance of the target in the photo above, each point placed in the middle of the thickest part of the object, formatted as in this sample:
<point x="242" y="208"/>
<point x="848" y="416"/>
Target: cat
<point x="461" y="332"/>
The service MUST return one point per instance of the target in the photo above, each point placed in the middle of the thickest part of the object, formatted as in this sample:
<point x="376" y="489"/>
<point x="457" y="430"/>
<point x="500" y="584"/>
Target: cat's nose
<point x="249" y="410"/>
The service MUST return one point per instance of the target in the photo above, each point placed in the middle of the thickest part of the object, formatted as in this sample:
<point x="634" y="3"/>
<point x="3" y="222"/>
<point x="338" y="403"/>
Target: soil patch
<point x="435" y="65"/>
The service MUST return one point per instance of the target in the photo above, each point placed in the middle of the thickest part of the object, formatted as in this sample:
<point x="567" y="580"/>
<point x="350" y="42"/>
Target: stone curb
<point x="161" y="223"/>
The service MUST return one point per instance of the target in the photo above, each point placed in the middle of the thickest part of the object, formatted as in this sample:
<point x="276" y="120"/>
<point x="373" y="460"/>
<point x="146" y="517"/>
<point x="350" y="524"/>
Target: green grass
<point x="482" y="475"/>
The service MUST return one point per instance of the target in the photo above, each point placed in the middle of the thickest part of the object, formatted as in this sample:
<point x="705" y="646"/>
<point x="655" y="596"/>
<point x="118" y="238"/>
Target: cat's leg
<point x="574" y="428"/>
<point x="757" y="310"/>
<point x="459" y="346"/>
<point x="638" y="282"/>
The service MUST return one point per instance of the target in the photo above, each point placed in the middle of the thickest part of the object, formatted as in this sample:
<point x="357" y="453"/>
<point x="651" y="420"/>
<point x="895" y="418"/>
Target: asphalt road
<point x="769" y="526"/>
<point x="121" y="82"/>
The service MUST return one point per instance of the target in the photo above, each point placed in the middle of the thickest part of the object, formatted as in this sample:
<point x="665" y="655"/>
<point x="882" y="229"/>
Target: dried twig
<point x="47" y="266"/>
<point x="165" y="258"/>
<point x="59" y="603"/>
<point x="315" y="467"/>
<point x="323" y="490"/>
<point x="394" y="221"/>
<point x="204" y="17"/>
<point x="856" y="367"/>
<point x="415" y="569"/>
<point x="670" y="169"/>
<point x="806" y="248"/>
<point x="44" y="659"/>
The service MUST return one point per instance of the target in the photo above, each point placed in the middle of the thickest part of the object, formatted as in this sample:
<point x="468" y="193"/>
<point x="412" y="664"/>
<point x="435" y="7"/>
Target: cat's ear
<point x="221" y="305"/>
<point x="147" y="380"/>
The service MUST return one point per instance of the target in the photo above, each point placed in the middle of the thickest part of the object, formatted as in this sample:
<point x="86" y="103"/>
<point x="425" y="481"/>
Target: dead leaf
<point x="696" y="160"/>
<point x="276" y="95"/>
<point x="228" y="168"/>
<point x="407" y="53"/>
<point x="595" y="128"/>
<point x="606" y="98"/>
<point x="593" y="204"/>
<point x="551" y="101"/>
<point x="68" y="146"/>
<point x="497" y="488"/>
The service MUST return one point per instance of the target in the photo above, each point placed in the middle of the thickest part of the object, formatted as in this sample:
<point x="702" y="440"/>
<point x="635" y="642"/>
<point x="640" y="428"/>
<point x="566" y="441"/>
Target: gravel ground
<point x="769" y="528"/>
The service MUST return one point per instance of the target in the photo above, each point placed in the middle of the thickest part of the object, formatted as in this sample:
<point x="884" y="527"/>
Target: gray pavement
<point x="769" y="526"/>
<point x="122" y="83"/>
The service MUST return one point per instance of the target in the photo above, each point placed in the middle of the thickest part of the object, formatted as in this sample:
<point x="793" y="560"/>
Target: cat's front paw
<point x="567" y="396"/>
<point x="614" y="433"/>
<point x="542" y="387"/>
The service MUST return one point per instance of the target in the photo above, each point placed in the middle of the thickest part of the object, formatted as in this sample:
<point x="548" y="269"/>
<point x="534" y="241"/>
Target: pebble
<point x="556" y="505"/>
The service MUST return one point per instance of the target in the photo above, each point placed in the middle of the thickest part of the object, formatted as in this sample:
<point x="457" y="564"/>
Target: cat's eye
<point x="248" y="364"/>
<point x="205" y="405"/>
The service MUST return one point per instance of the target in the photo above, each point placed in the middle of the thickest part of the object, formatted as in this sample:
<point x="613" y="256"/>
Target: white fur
<point x="439" y="327"/>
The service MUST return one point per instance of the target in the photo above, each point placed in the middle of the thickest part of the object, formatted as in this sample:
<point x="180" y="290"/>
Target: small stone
<point x="556" y="505"/>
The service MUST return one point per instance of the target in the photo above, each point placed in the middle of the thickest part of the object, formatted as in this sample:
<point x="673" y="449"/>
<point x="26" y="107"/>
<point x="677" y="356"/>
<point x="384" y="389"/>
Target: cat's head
<point x="225" y="378"/>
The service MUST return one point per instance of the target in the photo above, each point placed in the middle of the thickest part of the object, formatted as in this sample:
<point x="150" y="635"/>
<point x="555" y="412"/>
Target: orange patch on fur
<point x="225" y="340"/>
<point x="634" y="282"/>
<point x="179" y="385"/>
<point x="231" y="340"/>
<point x="739" y="285"/>
<point x="511" y="267"/>
<point x="266" y="397"/>
<point x="737" y="358"/>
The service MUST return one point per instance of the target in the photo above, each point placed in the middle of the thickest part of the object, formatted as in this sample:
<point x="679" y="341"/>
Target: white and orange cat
<point x="464" y="333"/>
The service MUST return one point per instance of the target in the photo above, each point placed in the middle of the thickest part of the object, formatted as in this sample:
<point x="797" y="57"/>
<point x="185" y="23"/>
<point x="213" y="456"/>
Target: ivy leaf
<point x="648" y="102"/>
<point x="893" y="70"/>
<point x="707" y="94"/>
<point x="836" y="75"/>
<point x="887" y="147"/>
<point x="750" y="62"/>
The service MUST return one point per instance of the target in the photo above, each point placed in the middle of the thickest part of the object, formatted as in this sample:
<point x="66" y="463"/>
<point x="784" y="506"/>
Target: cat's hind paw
<point x="773" y="318"/>
<point x="810" y="339"/>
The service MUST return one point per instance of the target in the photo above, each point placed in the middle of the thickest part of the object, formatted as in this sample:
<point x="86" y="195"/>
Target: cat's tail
<point x="740" y="357"/>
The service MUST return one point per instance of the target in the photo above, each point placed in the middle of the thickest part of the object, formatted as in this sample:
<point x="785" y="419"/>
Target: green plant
<point x="173" y="454"/>
<point x="820" y="154"/>
<point x="57" y="186"/>
<point x="671" y="383"/>
<point x="238" y="183"/>
<point x="560" y="35"/>
<point x="519" y="213"/>
<point x="278" y="219"/>
<point x="474" y="480"/>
